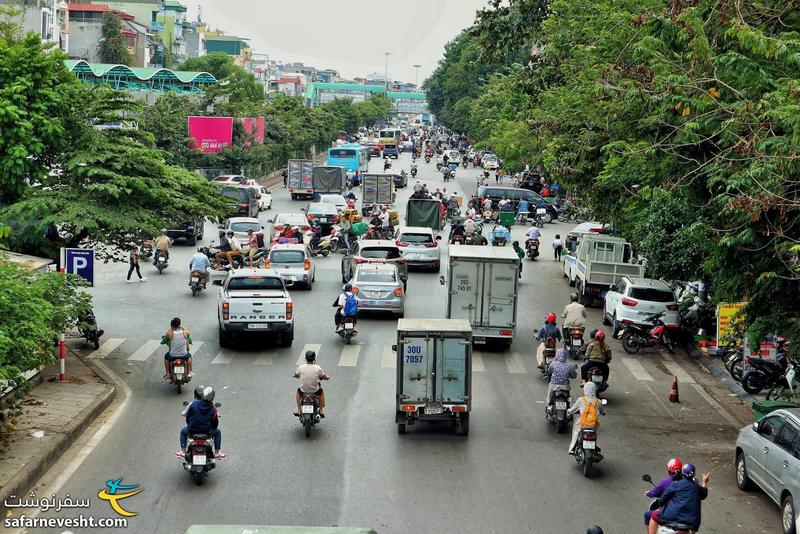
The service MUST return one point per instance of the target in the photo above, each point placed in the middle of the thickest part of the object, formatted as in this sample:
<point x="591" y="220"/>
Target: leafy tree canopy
<point x="113" y="48"/>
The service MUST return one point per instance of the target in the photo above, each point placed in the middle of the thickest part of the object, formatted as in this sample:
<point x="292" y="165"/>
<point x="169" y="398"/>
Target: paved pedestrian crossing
<point x="647" y="368"/>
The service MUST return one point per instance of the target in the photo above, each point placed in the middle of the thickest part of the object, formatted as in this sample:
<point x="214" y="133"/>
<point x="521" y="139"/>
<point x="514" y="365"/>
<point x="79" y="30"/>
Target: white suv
<point x="419" y="246"/>
<point x="632" y="300"/>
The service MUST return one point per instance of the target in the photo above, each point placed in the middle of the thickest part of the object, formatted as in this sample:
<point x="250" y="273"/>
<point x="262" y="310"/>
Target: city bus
<point x="352" y="156"/>
<point x="389" y="136"/>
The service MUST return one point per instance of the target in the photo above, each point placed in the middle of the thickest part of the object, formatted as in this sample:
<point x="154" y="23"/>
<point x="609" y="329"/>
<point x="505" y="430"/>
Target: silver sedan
<point x="378" y="287"/>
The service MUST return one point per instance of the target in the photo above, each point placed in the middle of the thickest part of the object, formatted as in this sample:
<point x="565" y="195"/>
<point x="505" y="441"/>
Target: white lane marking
<point x="514" y="364"/>
<point x="637" y="370"/>
<point x="264" y="359"/>
<point x="349" y="357"/>
<point x="145" y="350"/>
<point x="194" y="347"/>
<point x="714" y="404"/>
<point x="307" y="347"/>
<point x="223" y="357"/>
<point x="678" y="371"/>
<point x="108" y="347"/>
<point x="389" y="358"/>
<point x="477" y="363"/>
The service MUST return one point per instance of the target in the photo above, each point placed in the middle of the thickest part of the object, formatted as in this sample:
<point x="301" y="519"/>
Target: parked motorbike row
<point x="778" y="376"/>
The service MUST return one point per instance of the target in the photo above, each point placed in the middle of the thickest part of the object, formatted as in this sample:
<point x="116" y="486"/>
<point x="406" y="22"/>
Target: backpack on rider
<point x="350" y="308"/>
<point x="589" y="416"/>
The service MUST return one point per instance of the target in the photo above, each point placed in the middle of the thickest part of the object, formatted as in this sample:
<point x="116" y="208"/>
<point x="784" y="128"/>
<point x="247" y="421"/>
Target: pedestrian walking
<point x="558" y="245"/>
<point x="497" y="176"/>
<point x="133" y="259"/>
<point x="502" y="173"/>
<point x="285" y="174"/>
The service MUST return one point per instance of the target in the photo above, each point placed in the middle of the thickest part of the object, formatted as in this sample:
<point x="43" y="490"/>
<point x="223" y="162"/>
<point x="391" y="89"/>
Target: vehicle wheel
<point x="587" y="465"/>
<point x="561" y="426"/>
<point x="548" y="217"/>
<point x="401" y="428"/>
<point x="224" y="338"/>
<point x="737" y="369"/>
<point x="401" y="314"/>
<point x="788" y="520"/>
<point x="742" y="480"/>
<point x="752" y="383"/>
<point x="178" y="386"/>
<point x="287" y="339"/>
<point x="629" y="343"/>
<point x="160" y="269"/>
<point x="191" y="241"/>
<point x="96" y="343"/>
<point x="194" y="291"/>
<point x="294" y="197"/>
<point x="325" y="253"/>
<point x="462" y="425"/>
<point x="199" y="479"/>
<point x="307" y="427"/>
<point x="571" y="282"/>
<point x="615" y="327"/>
<point x="347" y="338"/>
<point x="776" y="392"/>
<point x="606" y="321"/>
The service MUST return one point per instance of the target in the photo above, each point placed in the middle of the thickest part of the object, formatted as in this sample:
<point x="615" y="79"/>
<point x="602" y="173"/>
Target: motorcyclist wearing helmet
<point x="178" y="339"/>
<point x="574" y="315"/>
<point x="598" y="354"/>
<point x="681" y="503"/>
<point x="347" y="291"/>
<point x="199" y="264"/>
<point x="316" y="234"/>
<point x="162" y="244"/>
<point x="560" y="373"/>
<point x="310" y="374"/>
<point x="202" y="417"/>
<point x="548" y="331"/>
<point x="673" y="473"/>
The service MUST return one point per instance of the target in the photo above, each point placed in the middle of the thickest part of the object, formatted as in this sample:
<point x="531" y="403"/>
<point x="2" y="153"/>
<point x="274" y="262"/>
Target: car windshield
<point x="238" y="195"/>
<point x="383" y="253"/>
<point x="241" y="227"/>
<point x="287" y="256"/>
<point x="332" y="199"/>
<point x="323" y="208"/>
<point x="651" y="294"/>
<point x="290" y="218"/>
<point x="416" y="238"/>
<point x="380" y="276"/>
<point x="226" y="179"/>
<point x="254" y="283"/>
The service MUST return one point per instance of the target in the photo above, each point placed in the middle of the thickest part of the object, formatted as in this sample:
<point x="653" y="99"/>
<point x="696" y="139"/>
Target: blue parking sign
<point x="79" y="261"/>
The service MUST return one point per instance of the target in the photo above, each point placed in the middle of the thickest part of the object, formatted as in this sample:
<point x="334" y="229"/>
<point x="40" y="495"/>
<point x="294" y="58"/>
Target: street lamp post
<point x="386" y="71"/>
<point x="416" y="76"/>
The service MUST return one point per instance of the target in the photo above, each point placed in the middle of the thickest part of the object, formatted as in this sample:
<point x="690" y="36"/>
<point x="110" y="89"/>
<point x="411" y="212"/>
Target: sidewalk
<point x="53" y="416"/>
<point x="714" y="365"/>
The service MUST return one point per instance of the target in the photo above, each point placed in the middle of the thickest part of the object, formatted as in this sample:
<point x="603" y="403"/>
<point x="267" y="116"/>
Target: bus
<point x="352" y="156"/>
<point x="389" y="136"/>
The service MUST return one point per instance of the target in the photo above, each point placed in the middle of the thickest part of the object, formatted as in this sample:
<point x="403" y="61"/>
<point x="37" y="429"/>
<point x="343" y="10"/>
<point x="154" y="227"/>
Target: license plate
<point x="198" y="459"/>
<point x="323" y="219"/>
<point x="434" y="409"/>
<point x="195" y="279"/>
<point x="258" y="326"/>
<point x="178" y="370"/>
<point x="588" y="444"/>
<point x="369" y="302"/>
<point x="308" y="408"/>
<point x="561" y="405"/>
<point x="548" y="361"/>
<point x="577" y="341"/>
<point x="348" y="326"/>
<point x="541" y="211"/>
<point x="289" y="278"/>
<point x="597" y="379"/>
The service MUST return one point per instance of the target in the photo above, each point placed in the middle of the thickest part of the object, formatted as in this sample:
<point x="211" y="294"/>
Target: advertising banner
<point x="253" y="130"/>
<point x="211" y="134"/>
<point x="725" y="312"/>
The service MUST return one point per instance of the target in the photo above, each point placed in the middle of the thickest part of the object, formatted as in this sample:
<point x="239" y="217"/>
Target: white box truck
<point x="482" y="288"/>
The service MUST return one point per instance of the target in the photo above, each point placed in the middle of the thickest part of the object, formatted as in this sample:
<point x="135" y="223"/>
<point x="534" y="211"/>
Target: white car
<point x="419" y="247"/>
<point x="282" y="220"/>
<point x="490" y="162"/>
<point x="240" y="226"/>
<point x="265" y="198"/>
<point x="230" y="179"/>
<point x="332" y="198"/>
<point x="294" y="264"/>
<point x="632" y="300"/>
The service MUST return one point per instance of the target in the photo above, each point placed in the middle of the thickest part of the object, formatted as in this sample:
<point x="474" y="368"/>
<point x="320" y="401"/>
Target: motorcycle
<point x="177" y="373"/>
<point x="586" y="450"/>
<point x="309" y="412"/>
<point x="532" y="248"/>
<point x="538" y="220"/>
<point x="386" y="166"/>
<point x="733" y="358"/>
<point x="500" y="236"/>
<point x="549" y="354"/>
<point x="761" y="373"/>
<point x="326" y="244"/>
<point x="199" y="458"/>
<point x="197" y="283"/>
<point x="146" y="250"/>
<point x="87" y="328"/>
<point x="669" y="528"/>
<point x="597" y="372"/>
<point x="458" y="239"/>
<point x="573" y="341"/>
<point x="413" y="171"/>
<point x="788" y="386"/>
<point x="556" y="410"/>
<point x="635" y="337"/>
<point x="427" y="158"/>
<point x="348" y="329"/>
<point x="160" y="262"/>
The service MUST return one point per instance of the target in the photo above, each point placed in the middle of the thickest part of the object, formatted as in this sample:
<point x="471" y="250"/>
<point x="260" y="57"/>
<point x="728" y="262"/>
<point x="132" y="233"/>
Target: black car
<point x="243" y="201"/>
<point x="515" y="194"/>
<point x="390" y="151"/>
<point x="191" y="231"/>
<point x="532" y="182"/>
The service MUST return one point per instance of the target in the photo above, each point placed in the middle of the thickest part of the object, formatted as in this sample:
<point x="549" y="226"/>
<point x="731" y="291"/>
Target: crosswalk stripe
<point x="388" y="359"/>
<point x="677" y="370"/>
<point x="264" y="359"/>
<point x="195" y="347"/>
<point x="349" y="357"/>
<point x="637" y="370"/>
<point x="307" y="347"/>
<point x="514" y="364"/>
<point x="108" y="347"/>
<point x="144" y="352"/>
<point x="477" y="363"/>
<point x="223" y="357"/>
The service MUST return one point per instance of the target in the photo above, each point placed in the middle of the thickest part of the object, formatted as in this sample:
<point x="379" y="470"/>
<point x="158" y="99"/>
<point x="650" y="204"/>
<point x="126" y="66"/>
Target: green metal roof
<point x="312" y="88"/>
<point x="173" y="5"/>
<point x="100" y="70"/>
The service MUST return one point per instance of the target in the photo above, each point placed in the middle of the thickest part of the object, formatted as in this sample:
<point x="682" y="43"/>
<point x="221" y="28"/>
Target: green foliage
<point x="239" y="85"/>
<point x="113" y="48"/>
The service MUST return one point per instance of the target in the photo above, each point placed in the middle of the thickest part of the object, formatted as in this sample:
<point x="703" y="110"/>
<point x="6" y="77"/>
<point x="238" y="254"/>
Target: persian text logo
<point x="116" y="492"/>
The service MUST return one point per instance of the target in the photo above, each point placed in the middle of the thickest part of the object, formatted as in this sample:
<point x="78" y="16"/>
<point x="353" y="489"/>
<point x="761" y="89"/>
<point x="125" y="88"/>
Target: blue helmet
<point x="689" y="471"/>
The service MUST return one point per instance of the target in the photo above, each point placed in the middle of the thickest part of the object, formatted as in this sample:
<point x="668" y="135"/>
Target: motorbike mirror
<point x="217" y="404"/>
<point x="441" y="280"/>
<point x="394" y="348"/>
<point x="185" y="403"/>
<point x="603" y="401"/>
<point x="269" y="221"/>
<point x="647" y="478"/>
<point x="221" y="226"/>
<point x="216" y="283"/>
<point x="303" y="209"/>
<point x="438" y="238"/>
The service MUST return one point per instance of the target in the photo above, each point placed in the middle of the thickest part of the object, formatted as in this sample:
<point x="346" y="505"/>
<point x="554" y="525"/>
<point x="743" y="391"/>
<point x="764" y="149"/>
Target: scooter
<point x="532" y="248"/>
<point x="87" y="327"/>
<point x="596" y="372"/>
<point x="326" y="244"/>
<point x="635" y="337"/>
<point x="177" y="373"/>
<point x="309" y="412"/>
<point x="669" y="528"/>
<point x="500" y="236"/>
<point x="348" y="329"/>
<point x="586" y="450"/>
<point x="556" y="410"/>
<point x="761" y="374"/>
<point x="199" y="458"/>
<point x="427" y="158"/>
<point x="573" y="341"/>
<point x="413" y="171"/>
<point x="788" y="386"/>
<point x="160" y="261"/>
<point x="197" y="282"/>
<point x="549" y="354"/>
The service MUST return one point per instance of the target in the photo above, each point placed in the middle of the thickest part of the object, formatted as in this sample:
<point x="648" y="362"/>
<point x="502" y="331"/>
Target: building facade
<point x="47" y="18"/>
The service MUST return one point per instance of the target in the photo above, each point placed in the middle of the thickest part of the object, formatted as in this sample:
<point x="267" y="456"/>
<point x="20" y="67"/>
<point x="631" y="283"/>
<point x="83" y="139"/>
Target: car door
<point x="613" y="297"/>
<point x="783" y="468"/>
<point x="761" y="449"/>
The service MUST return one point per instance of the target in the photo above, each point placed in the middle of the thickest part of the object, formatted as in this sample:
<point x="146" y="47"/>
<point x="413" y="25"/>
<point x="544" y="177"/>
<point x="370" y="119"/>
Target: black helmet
<point x="208" y="394"/>
<point x="574" y="297"/>
<point x="198" y="392"/>
<point x="311" y="355"/>
<point x="594" y="529"/>
<point x="592" y="333"/>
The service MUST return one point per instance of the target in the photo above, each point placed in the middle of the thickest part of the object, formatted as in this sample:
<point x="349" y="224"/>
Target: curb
<point x="24" y="481"/>
<point x="715" y="367"/>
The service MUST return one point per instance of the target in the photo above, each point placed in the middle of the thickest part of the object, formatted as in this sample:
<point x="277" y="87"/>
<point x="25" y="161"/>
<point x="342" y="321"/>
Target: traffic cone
<point x="673" y="392"/>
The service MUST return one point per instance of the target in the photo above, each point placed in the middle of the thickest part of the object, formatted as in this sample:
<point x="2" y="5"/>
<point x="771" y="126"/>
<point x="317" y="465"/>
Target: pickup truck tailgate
<point x="257" y="306"/>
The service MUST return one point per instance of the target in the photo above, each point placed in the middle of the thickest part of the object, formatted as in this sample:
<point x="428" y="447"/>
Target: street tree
<point x="113" y="48"/>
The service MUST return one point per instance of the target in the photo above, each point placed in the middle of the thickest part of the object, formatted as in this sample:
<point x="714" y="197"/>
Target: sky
<point x="347" y="35"/>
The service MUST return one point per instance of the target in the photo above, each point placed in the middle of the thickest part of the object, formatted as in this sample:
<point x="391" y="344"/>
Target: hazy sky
<point x="347" y="35"/>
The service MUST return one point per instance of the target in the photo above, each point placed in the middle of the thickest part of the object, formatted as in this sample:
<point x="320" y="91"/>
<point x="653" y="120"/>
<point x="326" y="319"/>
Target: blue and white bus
<point x="352" y="156"/>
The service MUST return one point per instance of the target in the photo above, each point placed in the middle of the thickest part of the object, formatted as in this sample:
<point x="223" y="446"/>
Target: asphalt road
<point x="512" y="474"/>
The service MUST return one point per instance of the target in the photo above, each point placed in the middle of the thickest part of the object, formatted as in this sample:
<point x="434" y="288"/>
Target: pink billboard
<point x="253" y="129"/>
<point x="211" y="134"/>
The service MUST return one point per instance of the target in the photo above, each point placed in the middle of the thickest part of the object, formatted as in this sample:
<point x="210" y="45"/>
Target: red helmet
<point x="551" y="318"/>
<point x="674" y="466"/>
<point x="600" y="335"/>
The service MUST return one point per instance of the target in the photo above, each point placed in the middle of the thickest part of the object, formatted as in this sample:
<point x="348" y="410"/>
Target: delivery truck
<point x="482" y="284"/>
<point x="376" y="189"/>
<point x="434" y="372"/>
<point x="300" y="180"/>
<point x="329" y="180"/>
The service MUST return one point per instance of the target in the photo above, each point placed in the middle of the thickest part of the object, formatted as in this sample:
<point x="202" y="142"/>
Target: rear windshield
<point x="651" y="294"/>
<point x="383" y="253"/>
<point x="390" y="147"/>
<point x="383" y="276"/>
<point x="240" y="227"/>
<point x="416" y="238"/>
<point x="255" y="283"/>
<point x="323" y="208"/>
<point x="287" y="256"/>
<point x="235" y="194"/>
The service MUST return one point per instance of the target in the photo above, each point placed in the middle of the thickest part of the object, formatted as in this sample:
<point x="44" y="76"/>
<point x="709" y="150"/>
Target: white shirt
<point x="384" y="217"/>
<point x="534" y="233"/>
<point x="235" y="243"/>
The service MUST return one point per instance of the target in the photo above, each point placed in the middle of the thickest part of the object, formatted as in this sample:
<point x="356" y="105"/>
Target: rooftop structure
<point x="125" y="78"/>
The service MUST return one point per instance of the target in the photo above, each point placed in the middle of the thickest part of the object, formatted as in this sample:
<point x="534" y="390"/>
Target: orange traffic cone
<point x="673" y="392"/>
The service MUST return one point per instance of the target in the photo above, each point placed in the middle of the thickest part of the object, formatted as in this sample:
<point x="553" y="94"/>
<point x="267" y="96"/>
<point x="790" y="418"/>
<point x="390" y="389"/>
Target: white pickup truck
<point x="254" y="300"/>
<point x="599" y="263"/>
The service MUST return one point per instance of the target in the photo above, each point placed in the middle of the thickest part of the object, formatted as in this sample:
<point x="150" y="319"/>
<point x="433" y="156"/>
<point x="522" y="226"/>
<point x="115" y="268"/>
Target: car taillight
<point x="400" y="244"/>
<point x="432" y="244"/>
<point x="266" y="264"/>
<point x="458" y="408"/>
<point x="307" y="265"/>
<point x="226" y="310"/>
<point x="505" y="332"/>
<point x="672" y="307"/>
<point x="588" y="435"/>
<point x="398" y="291"/>
<point x="288" y="310"/>
<point x="629" y="302"/>
<point x="244" y="206"/>
<point x="408" y="408"/>
<point x="278" y="228"/>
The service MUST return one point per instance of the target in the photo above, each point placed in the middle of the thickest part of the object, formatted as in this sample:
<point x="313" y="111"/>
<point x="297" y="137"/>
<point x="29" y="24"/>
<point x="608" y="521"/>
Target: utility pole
<point x="416" y="77"/>
<point x="386" y="71"/>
